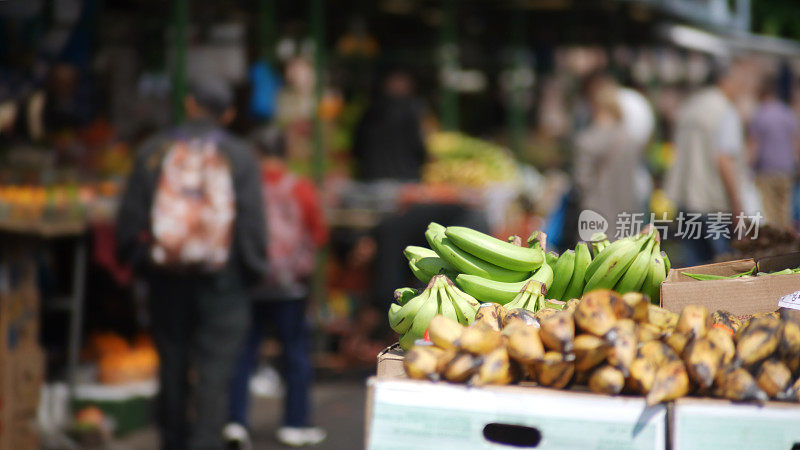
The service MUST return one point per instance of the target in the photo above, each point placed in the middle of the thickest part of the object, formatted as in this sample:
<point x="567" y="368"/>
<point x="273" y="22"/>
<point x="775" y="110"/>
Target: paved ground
<point x="339" y="408"/>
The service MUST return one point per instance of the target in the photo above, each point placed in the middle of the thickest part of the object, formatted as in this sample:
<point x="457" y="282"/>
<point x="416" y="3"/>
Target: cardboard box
<point x="709" y="423"/>
<point x="28" y="367"/>
<point x="741" y="296"/>
<point x="23" y="435"/>
<point x="390" y="363"/>
<point x="407" y="414"/>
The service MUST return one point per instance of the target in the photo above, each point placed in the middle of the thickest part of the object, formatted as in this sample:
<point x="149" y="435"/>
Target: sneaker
<point x="298" y="437"/>
<point x="236" y="437"/>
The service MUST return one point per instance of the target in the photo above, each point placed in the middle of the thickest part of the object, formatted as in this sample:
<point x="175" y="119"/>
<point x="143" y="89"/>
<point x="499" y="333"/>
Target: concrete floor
<point x="338" y="408"/>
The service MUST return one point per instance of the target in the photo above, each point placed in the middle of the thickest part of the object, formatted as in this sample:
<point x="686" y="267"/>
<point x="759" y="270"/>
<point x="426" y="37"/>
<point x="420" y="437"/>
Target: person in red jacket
<point x="295" y="230"/>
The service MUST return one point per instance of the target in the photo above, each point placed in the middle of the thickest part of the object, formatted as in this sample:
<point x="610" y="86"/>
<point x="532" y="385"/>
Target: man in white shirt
<point x="708" y="173"/>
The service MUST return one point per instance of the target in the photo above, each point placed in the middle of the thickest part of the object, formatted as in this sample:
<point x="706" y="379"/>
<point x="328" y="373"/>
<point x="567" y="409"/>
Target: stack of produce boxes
<point x="22" y="362"/>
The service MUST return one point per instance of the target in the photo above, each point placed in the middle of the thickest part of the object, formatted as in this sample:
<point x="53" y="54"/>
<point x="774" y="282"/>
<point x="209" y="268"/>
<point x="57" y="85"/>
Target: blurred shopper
<point x="192" y="223"/>
<point x="774" y="151"/>
<point x="639" y="121"/>
<point x="606" y="159"/>
<point x="388" y="143"/>
<point x="296" y="229"/>
<point x="709" y="174"/>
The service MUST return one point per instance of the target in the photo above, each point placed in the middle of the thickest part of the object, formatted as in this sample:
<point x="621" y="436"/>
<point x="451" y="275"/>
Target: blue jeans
<point x="289" y="319"/>
<point x="704" y="250"/>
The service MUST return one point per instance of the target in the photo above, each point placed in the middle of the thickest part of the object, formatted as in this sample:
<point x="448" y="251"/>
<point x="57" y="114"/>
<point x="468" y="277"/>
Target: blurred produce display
<point x="770" y="241"/>
<point x="615" y="344"/>
<point x="62" y="204"/>
<point x="120" y="362"/>
<point x="462" y="160"/>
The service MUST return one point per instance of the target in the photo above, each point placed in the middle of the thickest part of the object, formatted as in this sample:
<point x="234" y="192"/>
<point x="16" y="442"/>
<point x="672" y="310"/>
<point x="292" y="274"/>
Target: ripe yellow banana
<point x="594" y="313"/>
<point x="571" y="305"/>
<point x="642" y="376"/>
<point x="677" y="342"/>
<point x="724" y="341"/>
<point x="725" y="319"/>
<point x="607" y="380"/>
<point x="544" y="313"/>
<point x="489" y="314"/>
<point x="520" y="315"/>
<point x="694" y="321"/>
<point x="662" y="318"/>
<point x="421" y="362"/>
<point x="479" y="339"/>
<point x="758" y="342"/>
<point x="789" y="346"/>
<point x="496" y="369"/>
<point x="622" y="337"/>
<point x="554" y="370"/>
<point x="657" y="353"/>
<point x="774" y="378"/>
<point x="589" y="351"/>
<point x="523" y="343"/>
<point x="738" y="385"/>
<point x="461" y="368"/>
<point x="495" y="251"/>
<point x="703" y="359"/>
<point x="557" y="332"/>
<point x="444" y="332"/>
<point x="671" y="382"/>
<point x="639" y="303"/>
<point x="648" y="332"/>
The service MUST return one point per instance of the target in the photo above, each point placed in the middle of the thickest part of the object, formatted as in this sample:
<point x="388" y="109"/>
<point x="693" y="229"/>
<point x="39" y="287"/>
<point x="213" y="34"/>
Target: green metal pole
<point x="516" y="114"/>
<point x="266" y="29"/>
<point x="180" y="20"/>
<point x="318" y="32"/>
<point x="449" y="63"/>
<point x="318" y="155"/>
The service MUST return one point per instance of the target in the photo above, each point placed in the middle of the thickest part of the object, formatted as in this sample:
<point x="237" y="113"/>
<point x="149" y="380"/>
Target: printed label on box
<point x="791" y="301"/>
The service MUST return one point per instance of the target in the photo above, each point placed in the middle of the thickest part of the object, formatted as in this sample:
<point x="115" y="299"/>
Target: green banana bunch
<point x="544" y="275"/>
<point x="598" y="242"/>
<point x="531" y="297"/>
<point x="403" y="295"/>
<point x="610" y="265"/>
<point x="425" y="263"/>
<point x="464" y="262"/>
<point x="633" y="278"/>
<point x="551" y="258"/>
<point x="582" y="259"/>
<point x="562" y="275"/>
<point x="440" y="296"/>
<point x="495" y="251"/>
<point x="657" y="274"/>
<point x="487" y="290"/>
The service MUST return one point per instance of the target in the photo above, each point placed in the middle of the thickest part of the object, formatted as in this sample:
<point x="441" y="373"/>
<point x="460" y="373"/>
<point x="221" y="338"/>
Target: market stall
<point x="586" y="347"/>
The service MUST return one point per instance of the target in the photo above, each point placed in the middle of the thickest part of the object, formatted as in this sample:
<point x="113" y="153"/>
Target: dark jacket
<point x="248" y="252"/>
<point x="388" y="143"/>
